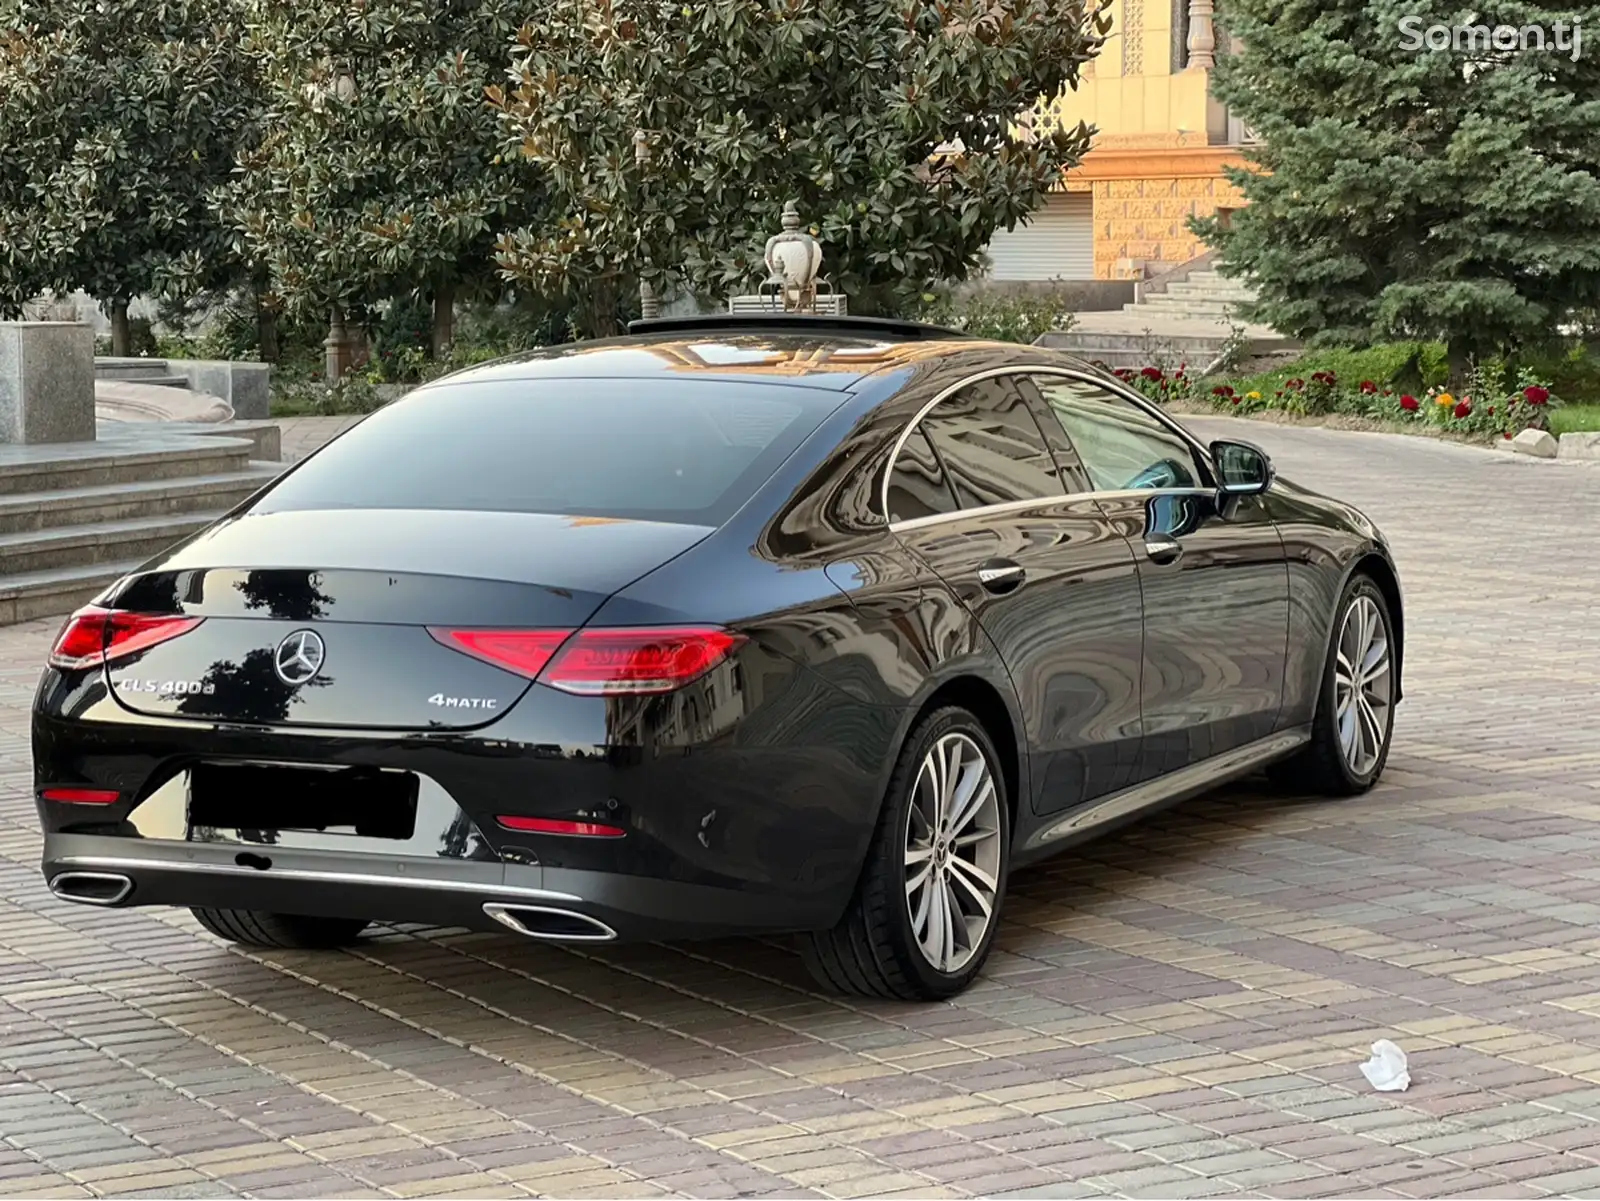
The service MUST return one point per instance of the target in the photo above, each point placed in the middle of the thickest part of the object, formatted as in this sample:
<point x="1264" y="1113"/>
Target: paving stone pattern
<point x="1179" y="1011"/>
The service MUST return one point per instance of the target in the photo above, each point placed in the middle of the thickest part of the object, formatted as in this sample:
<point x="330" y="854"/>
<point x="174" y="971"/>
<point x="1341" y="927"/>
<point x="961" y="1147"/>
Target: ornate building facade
<point x="1157" y="159"/>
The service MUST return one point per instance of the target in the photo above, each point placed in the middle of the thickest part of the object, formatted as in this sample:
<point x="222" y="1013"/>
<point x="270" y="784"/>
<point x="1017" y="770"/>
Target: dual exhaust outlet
<point x="531" y="921"/>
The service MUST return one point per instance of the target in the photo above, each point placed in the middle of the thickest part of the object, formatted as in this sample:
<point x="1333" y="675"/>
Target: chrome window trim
<point x="1018" y="506"/>
<point x="1021" y="506"/>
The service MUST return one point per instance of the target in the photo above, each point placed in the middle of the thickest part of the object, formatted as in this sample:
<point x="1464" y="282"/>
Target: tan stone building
<point x="1157" y="159"/>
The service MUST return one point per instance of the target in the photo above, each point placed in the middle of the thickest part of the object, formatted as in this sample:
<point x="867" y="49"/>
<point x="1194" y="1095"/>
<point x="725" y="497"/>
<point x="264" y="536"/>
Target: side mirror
<point x="1242" y="469"/>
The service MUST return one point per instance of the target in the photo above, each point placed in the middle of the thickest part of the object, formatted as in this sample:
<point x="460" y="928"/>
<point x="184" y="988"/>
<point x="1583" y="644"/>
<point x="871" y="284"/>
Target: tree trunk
<point x="266" y="323"/>
<point x="444" y="319"/>
<point x="598" y="315"/>
<point x="266" y="333"/>
<point x="120" y="335"/>
<point x="1458" y="355"/>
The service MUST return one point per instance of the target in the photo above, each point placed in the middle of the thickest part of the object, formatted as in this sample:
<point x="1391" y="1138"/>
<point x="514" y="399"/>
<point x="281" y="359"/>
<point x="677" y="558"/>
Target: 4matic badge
<point x="463" y="702"/>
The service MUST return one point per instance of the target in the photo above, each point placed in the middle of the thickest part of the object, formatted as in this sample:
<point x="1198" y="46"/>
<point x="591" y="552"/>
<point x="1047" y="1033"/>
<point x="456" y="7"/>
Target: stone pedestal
<point x="46" y="382"/>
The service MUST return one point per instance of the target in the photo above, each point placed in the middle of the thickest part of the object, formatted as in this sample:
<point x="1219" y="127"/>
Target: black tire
<point x="280" y="931"/>
<point x="1320" y="767"/>
<point x="873" y="952"/>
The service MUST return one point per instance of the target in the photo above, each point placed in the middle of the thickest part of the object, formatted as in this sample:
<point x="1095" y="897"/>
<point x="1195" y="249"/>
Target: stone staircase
<point x="76" y="517"/>
<point x="1187" y="319"/>
<point x="1203" y="296"/>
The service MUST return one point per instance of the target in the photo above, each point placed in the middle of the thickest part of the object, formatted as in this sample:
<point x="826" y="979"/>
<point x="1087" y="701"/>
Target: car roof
<point x="828" y="353"/>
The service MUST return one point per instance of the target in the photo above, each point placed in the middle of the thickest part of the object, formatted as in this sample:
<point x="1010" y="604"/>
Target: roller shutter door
<point x="1056" y="243"/>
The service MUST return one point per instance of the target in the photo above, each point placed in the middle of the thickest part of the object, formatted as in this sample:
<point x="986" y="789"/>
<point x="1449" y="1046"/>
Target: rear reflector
<point x="599" y="662"/>
<point x="81" y="796"/>
<point x="544" y="825"/>
<point x="95" y="636"/>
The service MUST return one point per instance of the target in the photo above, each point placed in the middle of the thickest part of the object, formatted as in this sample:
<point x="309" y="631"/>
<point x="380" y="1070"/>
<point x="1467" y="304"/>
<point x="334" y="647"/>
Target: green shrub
<point x="1000" y="316"/>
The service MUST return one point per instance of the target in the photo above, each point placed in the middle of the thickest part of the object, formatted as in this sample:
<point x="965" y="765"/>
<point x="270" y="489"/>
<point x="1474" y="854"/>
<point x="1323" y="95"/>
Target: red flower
<point x="1535" y="395"/>
<point x="1507" y="437"/>
<point x="1222" y="390"/>
<point x="1151" y="373"/>
<point x="1368" y="387"/>
<point x="1491" y="410"/>
<point x="1297" y="383"/>
<point x="1462" y="409"/>
<point x="1237" y="399"/>
<point x="1179" y="375"/>
<point x="1408" y="403"/>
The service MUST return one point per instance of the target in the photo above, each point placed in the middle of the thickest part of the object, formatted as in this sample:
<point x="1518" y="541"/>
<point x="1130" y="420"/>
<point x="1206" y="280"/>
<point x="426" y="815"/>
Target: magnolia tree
<point x="1448" y="193"/>
<point x="889" y="122"/>
<point x="379" y="174"/>
<point x="116" y="121"/>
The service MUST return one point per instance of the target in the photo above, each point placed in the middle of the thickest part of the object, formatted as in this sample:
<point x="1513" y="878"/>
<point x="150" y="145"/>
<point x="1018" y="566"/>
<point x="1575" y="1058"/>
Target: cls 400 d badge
<point x="463" y="702"/>
<point x="168" y="687"/>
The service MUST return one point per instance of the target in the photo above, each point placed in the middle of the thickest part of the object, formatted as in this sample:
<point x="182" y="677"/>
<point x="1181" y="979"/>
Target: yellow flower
<point x="1444" y="398"/>
<point x="1252" y="396"/>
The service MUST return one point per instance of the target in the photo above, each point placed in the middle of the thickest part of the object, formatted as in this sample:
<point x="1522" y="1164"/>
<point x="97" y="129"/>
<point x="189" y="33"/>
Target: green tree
<point x="379" y="175"/>
<point x="1408" y="193"/>
<point x="116" y="121"/>
<point x="889" y="122"/>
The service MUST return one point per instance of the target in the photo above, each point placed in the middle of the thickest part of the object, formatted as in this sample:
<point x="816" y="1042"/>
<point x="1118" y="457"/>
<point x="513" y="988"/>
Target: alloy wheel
<point x="952" y="852"/>
<point x="1363" y="686"/>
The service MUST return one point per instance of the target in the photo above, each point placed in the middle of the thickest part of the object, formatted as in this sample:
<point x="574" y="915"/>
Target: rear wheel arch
<point x="984" y="701"/>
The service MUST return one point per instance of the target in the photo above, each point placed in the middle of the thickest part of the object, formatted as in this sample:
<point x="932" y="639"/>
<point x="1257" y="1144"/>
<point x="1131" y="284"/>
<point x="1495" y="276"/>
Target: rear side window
<point x="918" y="487"/>
<point x="641" y="449"/>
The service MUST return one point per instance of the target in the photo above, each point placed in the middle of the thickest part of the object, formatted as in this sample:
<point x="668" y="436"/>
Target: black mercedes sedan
<point x="732" y="625"/>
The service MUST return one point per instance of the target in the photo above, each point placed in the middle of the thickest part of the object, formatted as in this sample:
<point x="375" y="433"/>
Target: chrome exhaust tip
<point x="91" y="888"/>
<point x="550" y="925"/>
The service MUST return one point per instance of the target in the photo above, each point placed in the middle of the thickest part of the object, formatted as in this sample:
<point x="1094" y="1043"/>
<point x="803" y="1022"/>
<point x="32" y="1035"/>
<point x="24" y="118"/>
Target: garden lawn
<point x="1572" y="419"/>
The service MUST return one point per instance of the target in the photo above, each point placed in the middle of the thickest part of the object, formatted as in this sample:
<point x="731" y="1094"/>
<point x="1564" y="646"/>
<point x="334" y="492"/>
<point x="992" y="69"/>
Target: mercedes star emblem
<point x="299" y="657"/>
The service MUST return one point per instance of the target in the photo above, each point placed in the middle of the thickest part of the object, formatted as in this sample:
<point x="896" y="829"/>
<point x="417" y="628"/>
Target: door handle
<point x="1163" y="550"/>
<point x="1001" y="576"/>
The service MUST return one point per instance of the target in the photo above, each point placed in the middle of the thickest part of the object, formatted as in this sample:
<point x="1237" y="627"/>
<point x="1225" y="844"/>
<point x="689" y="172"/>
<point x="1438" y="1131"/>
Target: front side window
<point x="992" y="449"/>
<point x="1120" y="446"/>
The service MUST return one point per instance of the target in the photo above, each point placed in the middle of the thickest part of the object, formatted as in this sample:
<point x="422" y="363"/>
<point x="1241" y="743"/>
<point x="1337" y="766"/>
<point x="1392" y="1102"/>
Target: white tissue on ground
<point x="1386" y="1071"/>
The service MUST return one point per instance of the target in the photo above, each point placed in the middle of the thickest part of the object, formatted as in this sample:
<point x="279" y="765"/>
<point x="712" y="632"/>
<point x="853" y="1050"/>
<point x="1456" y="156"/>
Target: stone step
<point x="1183" y="310"/>
<point x="1086" y="343"/>
<point x="1188" y="291"/>
<point x="56" y="592"/>
<point x="100" y="542"/>
<point x="29" y="469"/>
<point x="130" y="368"/>
<point x="23" y="512"/>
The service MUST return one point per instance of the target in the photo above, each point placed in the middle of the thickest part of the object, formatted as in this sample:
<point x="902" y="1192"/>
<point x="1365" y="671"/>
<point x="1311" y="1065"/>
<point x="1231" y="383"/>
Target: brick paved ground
<point x="1176" y="1012"/>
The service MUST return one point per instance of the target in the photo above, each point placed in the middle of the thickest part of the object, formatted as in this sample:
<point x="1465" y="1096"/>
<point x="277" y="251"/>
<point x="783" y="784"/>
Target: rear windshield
<point x="650" y="450"/>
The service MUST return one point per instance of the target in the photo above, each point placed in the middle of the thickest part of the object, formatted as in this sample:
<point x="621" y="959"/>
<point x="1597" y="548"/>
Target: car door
<point x="1037" y="564"/>
<point x="1213" y="571"/>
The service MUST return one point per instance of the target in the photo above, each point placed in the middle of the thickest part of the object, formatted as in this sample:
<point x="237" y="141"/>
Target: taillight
<point x="523" y="651"/>
<point x="546" y="825"/>
<point x="81" y="796"/>
<point x="599" y="662"/>
<point x="612" y="662"/>
<point x="95" y="636"/>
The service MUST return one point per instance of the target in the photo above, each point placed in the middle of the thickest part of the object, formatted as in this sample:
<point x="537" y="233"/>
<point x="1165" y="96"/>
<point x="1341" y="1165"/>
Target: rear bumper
<point x="431" y="892"/>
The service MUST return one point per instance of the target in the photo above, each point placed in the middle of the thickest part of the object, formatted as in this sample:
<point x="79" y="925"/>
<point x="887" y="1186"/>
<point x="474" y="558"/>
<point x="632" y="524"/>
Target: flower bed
<point x="1487" y="407"/>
